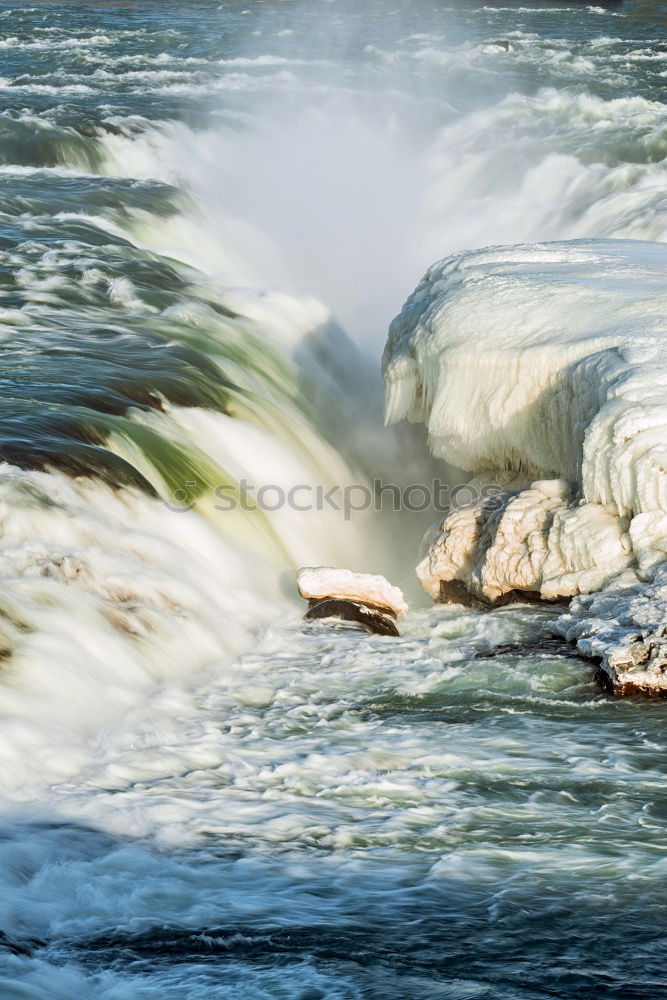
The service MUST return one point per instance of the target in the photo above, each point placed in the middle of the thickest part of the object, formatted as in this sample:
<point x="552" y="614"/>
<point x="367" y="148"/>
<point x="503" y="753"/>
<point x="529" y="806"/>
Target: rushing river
<point x="209" y="212"/>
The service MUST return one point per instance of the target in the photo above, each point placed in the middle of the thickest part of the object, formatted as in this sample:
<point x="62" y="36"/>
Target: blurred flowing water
<point x="208" y="215"/>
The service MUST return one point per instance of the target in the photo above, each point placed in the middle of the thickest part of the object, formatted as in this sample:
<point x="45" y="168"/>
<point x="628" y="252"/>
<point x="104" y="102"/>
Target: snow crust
<point x="543" y="369"/>
<point x="319" y="582"/>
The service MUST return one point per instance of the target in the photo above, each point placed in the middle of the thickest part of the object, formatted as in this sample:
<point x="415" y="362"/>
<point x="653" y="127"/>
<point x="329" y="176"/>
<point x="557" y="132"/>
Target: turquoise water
<point x="208" y="215"/>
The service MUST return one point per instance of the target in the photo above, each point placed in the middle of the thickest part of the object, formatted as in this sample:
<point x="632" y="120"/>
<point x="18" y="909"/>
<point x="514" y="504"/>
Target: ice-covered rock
<point x="543" y="368"/>
<point x="625" y="627"/>
<point x="533" y="539"/>
<point x="320" y="583"/>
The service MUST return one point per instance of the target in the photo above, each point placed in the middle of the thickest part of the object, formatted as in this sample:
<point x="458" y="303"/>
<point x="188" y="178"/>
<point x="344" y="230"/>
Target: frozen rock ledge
<point x="542" y="370"/>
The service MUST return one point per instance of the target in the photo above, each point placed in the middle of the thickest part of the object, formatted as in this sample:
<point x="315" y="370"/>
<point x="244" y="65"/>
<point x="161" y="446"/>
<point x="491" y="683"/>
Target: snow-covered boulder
<point x="543" y="368"/>
<point x="321" y="583"/>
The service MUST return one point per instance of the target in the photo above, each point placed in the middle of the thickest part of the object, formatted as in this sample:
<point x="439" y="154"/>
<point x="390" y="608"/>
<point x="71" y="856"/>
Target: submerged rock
<point x="368" y="600"/>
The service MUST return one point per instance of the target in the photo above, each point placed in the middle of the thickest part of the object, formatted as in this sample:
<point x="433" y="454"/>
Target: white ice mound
<point x="320" y="582"/>
<point x="548" y="359"/>
<point x="543" y="368"/>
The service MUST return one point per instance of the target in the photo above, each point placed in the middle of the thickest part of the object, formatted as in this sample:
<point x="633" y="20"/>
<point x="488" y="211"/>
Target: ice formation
<point x="317" y="583"/>
<point x="543" y="370"/>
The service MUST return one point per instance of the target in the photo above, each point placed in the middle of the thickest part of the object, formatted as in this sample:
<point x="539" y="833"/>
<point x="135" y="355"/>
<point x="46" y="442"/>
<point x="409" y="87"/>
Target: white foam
<point x="605" y="11"/>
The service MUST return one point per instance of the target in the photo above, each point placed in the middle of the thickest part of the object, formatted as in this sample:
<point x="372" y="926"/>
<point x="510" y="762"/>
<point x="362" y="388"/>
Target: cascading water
<point x="208" y="217"/>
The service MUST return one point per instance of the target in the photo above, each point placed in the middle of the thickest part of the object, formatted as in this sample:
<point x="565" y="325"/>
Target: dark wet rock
<point x="93" y="130"/>
<point x="499" y="45"/>
<point x="546" y="646"/>
<point x="456" y="592"/>
<point x="379" y="609"/>
<point x="379" y="621"/>
<point x="517" y="597"/>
